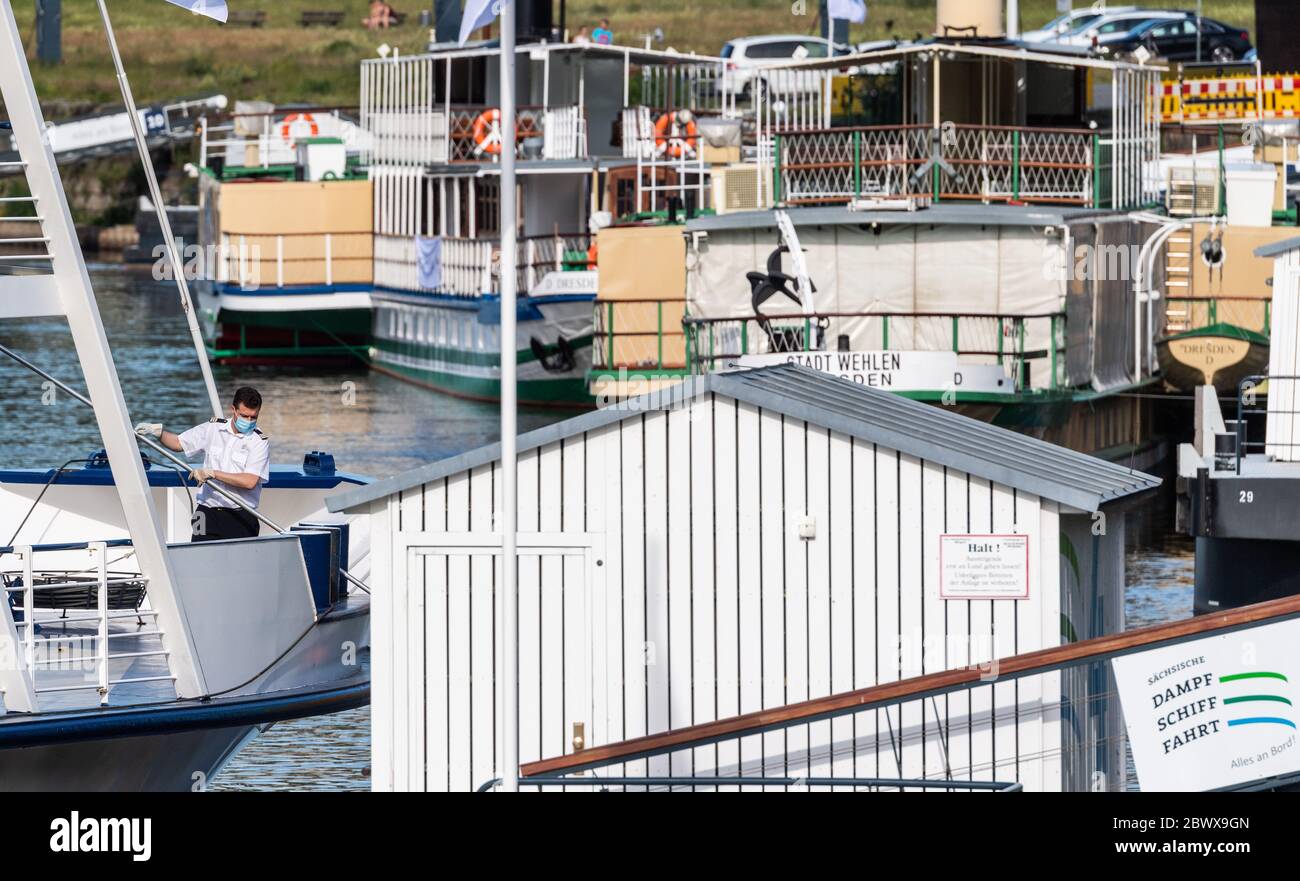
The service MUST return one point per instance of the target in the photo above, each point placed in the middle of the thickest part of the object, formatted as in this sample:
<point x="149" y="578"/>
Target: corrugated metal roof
<point x="1277" y="249"/>
<point x="927" y="432"/>
<point x="942" y="214"/>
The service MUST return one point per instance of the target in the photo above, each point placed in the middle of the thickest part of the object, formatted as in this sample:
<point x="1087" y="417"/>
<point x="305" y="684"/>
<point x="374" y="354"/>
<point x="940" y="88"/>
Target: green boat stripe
<point x="449" y="355"/>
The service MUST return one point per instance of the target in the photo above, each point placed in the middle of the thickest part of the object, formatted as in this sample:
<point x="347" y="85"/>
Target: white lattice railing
<point x="977" y="162"/>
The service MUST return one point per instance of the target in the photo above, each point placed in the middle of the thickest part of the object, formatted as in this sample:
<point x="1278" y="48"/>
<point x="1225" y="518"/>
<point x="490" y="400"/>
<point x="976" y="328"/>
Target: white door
<point x="453" y="586"/>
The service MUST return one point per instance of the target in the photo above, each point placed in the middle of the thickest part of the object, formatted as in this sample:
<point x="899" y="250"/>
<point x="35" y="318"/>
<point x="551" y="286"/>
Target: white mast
<point x="155" y="193"/>
<point x="509" y="400"/>
<point x="67" y="291"/>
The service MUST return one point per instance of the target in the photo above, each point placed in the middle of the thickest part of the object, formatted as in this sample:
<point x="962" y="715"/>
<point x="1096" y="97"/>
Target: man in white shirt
<point x="235" y="454"/>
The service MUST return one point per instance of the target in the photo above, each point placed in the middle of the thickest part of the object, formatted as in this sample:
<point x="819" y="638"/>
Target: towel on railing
<point x="428" y="257"/>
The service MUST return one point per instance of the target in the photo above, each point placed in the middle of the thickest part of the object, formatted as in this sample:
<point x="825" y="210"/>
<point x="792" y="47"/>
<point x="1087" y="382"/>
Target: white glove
<point x="149" y="429"/>
<point x="201" y="475"/>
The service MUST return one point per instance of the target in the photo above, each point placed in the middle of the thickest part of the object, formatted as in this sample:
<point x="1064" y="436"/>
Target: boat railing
<point x="265" y="141"/>
<point x="954" y="162"/>
<point x="1184" y="313"/>
<point x="471" y="267"/>
<point x="1013" y="342"/>
<point x="252" y="262"/>
<point x="1268" y="418"/>
<point x="471" y="133"/>
<point x="76" y="650"/>
<point x="640" y="335"/>
<point x="969" y="698"/>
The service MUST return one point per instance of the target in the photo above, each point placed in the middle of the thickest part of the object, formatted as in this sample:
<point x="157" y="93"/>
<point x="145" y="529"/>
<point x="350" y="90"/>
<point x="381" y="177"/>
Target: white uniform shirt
<point x="225" y="450"/>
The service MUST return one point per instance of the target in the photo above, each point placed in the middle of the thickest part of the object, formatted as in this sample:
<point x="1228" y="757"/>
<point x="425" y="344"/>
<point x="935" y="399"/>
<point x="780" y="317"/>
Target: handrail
<point x="709" y="780"/>
<point x="68" y="546"/>
<point x="697" y="319"/>
<point x="1244" y="409"/>
<point x="926" y="126"/>
<point x="932" y="684"/>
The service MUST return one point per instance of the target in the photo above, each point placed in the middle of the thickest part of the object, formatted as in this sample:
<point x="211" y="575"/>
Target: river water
<point x="373" y="425"/>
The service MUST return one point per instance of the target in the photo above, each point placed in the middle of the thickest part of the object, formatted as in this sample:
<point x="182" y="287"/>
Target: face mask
<point x="244" y="426"/>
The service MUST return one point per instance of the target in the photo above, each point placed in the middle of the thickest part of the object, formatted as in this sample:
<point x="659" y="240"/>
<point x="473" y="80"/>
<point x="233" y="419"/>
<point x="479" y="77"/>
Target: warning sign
<point x="984" y="567"/>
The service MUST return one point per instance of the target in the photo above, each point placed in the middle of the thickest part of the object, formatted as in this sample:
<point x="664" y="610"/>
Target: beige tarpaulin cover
<point x="939" y="271"/>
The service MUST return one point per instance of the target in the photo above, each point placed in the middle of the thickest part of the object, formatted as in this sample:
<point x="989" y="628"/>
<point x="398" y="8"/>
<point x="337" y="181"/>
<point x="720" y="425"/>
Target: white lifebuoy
<point x="303" y="119"/>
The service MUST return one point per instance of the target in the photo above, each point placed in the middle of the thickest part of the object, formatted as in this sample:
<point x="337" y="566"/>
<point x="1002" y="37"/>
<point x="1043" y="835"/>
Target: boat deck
<point x="64" y="658"/>
<point x="67" y="668"/>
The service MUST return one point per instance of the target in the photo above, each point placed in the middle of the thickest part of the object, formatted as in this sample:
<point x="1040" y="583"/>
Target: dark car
<point x="1176" y="40"/>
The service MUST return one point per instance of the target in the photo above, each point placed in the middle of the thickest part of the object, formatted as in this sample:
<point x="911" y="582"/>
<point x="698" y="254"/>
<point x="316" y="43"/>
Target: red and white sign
<point x="984" y="567"/>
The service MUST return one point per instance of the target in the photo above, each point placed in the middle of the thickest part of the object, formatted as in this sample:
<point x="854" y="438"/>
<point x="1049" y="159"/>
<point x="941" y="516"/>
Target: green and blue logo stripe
<point x="1257" y="698"/>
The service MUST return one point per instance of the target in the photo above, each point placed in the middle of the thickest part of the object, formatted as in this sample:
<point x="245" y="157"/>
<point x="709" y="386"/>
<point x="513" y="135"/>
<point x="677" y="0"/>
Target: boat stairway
<point x="82" y="627"/>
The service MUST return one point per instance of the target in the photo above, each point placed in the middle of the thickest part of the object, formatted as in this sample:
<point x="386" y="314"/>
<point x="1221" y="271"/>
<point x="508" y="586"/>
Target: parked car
<point x="1071" y="21"/>
<point x="1114" y="24"/>
<point x="746" y="55"/>
<point x="1178" y="40"/>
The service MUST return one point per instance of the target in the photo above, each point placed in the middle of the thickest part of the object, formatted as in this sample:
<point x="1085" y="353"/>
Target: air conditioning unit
<point x="1192" y="192"/>
<point x="736" y="188"/>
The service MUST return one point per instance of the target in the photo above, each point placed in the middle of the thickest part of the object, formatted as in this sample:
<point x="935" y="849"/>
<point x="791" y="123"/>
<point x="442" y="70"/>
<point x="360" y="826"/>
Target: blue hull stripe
<point x="23" y="730"/>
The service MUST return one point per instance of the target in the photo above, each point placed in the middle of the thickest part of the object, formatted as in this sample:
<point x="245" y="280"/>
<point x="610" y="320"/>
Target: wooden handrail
<point x="1042" y="661"/>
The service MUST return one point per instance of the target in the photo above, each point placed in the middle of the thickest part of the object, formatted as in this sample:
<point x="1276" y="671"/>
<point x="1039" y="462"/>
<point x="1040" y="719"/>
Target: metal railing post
<point x="1052" y="383"/>
<point x="857" y="165"/>
<point x="609" y="331"/>
<point x="1015" y="165"/>
<point x="29" y="608"/>
<point x="776" y="170"/>
<point x="659" y="331"/>
<point x="1096" y="171"/>
<point x="100" y="551"/>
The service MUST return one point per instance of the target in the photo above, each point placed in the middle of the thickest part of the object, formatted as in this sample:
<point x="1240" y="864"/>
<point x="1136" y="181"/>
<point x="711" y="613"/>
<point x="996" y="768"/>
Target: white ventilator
<point x="797" y="260"/>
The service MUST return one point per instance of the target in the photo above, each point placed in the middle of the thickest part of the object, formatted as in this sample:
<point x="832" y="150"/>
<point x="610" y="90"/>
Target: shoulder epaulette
<point x="263" y="435"/>
<point x="218" y="419"/>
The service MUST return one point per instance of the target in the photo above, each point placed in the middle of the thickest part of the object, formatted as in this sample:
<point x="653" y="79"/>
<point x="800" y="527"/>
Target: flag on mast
<point x="215" y="9"/>
<point x="479" y="14"/>
<point x="854" y="11"/>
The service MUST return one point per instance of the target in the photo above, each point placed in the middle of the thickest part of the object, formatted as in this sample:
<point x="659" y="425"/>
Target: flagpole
<point x="509" y="401"/>
<point x="155" y="193"/>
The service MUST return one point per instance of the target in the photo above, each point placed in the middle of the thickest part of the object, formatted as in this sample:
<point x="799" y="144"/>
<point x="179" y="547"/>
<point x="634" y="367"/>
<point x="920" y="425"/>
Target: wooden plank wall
<point x="704" y="603"/>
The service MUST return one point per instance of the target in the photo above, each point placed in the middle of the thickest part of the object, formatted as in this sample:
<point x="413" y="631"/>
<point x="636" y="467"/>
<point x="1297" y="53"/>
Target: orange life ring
<point x="591" y="256"/>
<point x="286" y="126"/>
<point x="487" y="132"/>
<point x="675" y="138"/>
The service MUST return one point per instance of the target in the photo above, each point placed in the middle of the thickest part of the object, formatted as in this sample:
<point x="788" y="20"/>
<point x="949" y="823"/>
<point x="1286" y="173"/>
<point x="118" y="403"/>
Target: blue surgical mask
<point x="244" y="426"/>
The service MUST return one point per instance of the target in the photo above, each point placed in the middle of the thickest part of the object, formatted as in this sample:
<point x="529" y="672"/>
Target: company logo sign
<point x="1213" y="713"/>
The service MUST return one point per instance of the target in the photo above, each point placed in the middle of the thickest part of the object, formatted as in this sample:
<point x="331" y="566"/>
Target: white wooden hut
<point x="746" y="541"/>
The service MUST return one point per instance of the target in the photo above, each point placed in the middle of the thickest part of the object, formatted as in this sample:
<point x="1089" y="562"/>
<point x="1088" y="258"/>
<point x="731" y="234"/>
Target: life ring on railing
<point x="487" y="132"/>
<point x="676" y="134"/>
<point x="287" y="126"/>
<point x="591" y="256"/>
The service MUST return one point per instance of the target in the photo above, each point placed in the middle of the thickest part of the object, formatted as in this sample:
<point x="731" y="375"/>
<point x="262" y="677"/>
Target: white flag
<point x="211" y="8"/>
<point x="479" y="14"/>
<point x="847" y="10"/>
